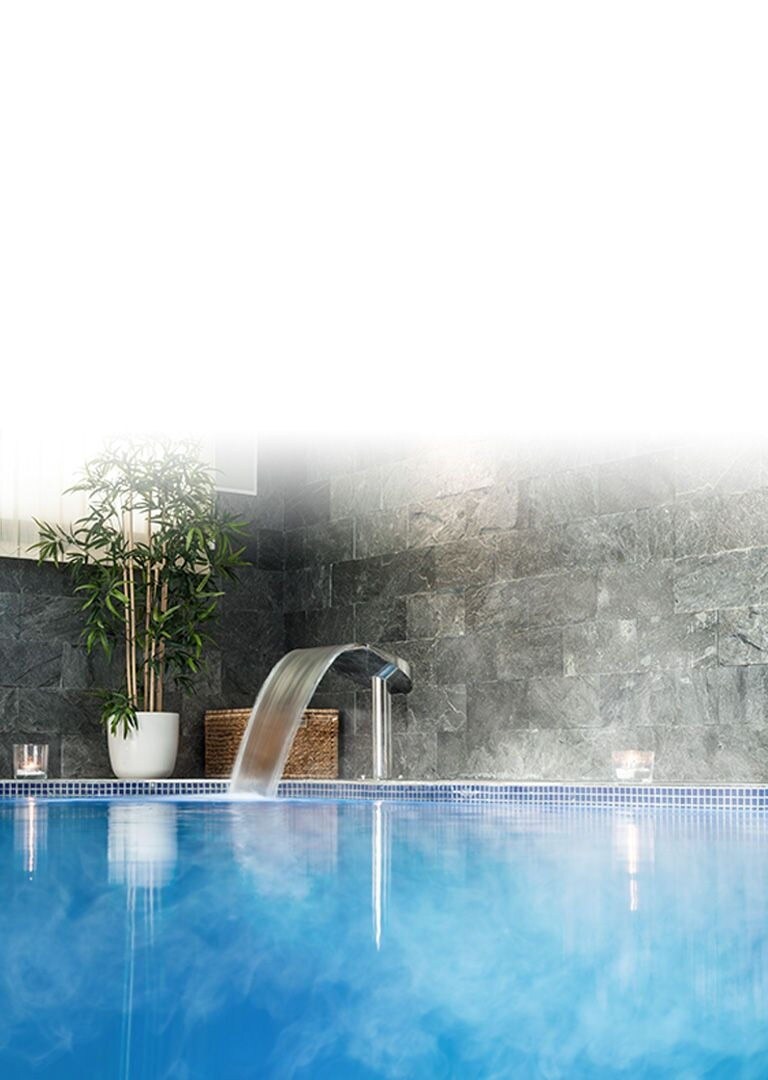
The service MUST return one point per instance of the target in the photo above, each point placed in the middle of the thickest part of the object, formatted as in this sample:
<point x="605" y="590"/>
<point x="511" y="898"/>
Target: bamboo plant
<point x="148" y="560"/>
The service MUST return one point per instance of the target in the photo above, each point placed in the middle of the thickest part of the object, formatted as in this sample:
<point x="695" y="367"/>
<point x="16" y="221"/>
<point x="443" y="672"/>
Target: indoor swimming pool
<point x="196" y="938"/>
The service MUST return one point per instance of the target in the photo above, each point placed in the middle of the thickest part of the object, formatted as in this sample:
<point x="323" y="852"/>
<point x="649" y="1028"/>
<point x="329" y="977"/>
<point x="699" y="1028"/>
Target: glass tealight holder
<point x="30" y="761"/>
<point x="635" y="766"/>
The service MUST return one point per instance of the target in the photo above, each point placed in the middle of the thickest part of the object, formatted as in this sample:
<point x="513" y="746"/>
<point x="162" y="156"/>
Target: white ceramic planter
<point x="148" y="752"/>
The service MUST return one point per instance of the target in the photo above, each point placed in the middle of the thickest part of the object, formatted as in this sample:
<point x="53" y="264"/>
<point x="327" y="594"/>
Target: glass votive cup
<point x="30" y="761"/>
<point x="633" y="765"/>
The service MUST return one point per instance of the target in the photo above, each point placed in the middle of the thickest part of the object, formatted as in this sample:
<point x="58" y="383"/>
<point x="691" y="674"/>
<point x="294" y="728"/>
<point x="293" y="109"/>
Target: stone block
<point x="600" y="647"/>
<point x="507" y="758"/>
<point x="635" y="699"/>
<point x="9" y="708"/>
<point x="295" y="554"/>
<point x="432" y="615"/>
<point x="60" y="711"/>
<point x="563" y="702"/>
<point x="719" y="468"/>
<point x="383" y="577"/>
<point x="50" y="618"/>
<point x="451" y="754"/>
<point x="30" y="663"/>
<point x="437" y="708"/>
<point x="731" y="579"/>
<point x="308" y="504"/>
<point x="381" y="620"/>
<point x="550" y="600"/>
<point x="473" y="515"/>
<point x="562" y="496"/>
<point x="81" y="670"/>
<point x="10" y="575"/>
<point x="308" y="589"/>
<point x="637" y="482"/>
<point x="10" y="608"/>
<point x="328" y="542"/>
<point x="85" y="758"/>
<point x="743" y="636"/>
<point x="493" y="710"/>
<point x="528" y="552"/>
<point x="599" y="541"/>
<point x="254" y="589"/>
<point x="533" y="652"/>
<point x="470" y="562"/>
<point x="655" y="534"/>
<point x="382" y="533"/>
<point x="631" y="590"/>
<point x="451" y="660"/>
<point x="357" y="493"/>
<point x="270" y="549"/>
<point x="331" y="626"/>
<point x="44" y="579"/>
<point x="678" y="641"/>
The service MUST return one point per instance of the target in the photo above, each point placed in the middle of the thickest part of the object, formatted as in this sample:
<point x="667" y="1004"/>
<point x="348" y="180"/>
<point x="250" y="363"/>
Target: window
<point x="37" y="467"/>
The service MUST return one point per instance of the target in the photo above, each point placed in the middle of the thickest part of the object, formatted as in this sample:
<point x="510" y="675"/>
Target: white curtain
<point x="35" y="469"/>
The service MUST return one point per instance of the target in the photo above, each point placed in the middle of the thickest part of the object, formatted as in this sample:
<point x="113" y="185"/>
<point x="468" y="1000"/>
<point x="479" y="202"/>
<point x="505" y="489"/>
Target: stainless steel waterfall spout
<point x="288" y="690"/>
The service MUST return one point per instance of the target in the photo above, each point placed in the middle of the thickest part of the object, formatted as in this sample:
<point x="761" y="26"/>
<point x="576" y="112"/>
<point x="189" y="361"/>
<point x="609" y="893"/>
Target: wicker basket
<point x="314" y="754"/>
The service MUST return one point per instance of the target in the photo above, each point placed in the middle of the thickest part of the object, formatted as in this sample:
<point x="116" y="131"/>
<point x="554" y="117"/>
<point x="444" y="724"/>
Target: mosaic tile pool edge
<point x="634" y="796"/>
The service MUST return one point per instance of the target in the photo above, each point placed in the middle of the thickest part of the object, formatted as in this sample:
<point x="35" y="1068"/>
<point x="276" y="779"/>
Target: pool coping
<point x="526" y="793"/>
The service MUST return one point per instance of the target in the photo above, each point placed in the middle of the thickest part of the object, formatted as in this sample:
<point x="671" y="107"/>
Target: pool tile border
<point x="633" y="796"/>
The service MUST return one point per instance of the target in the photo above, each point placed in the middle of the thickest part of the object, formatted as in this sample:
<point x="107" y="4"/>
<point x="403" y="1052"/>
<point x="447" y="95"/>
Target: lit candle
<point x="30" y="761"/>
<point x="634" y="765"/>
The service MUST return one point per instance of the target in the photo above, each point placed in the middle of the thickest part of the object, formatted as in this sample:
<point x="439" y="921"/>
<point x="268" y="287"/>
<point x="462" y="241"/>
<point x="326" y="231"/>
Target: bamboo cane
<point x="132" y="606"/>
<point x="153" y="667"/>
<point x="126" y="624"/>
<point x="147" y="616"/>
<point x="161" y="650"/>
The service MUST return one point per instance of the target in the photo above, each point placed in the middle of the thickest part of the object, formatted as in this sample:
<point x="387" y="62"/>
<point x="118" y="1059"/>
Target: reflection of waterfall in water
<point x="297" y="842"/>
<point x="142" y="850"/>
<point x="294" y="843"/>
<point x="381" y="869"/>
<point x="30" y="833"/>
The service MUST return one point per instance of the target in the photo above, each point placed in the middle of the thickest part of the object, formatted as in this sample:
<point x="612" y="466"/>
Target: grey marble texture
<point x="639" y="589"/>
<point x="561" y="496"/>
<point x="583" y="597"/>
<point x="634" y="482"/>
<point x="381" y="533"/>
<point x="677" y="641"/>
<point x="601" y="647"/>
<point x="706" y="524"/>
<point x="743" y="636"/>
<point x="729" y="579"/>
<point x="436" y="615"/>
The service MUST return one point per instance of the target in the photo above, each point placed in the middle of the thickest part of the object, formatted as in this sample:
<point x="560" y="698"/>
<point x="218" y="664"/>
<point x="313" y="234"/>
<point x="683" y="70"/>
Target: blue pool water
<point x="310" y="939"/>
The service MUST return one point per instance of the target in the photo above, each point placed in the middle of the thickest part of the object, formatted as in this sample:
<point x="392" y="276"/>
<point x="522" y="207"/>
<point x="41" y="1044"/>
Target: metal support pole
<point x="381" y="715"/>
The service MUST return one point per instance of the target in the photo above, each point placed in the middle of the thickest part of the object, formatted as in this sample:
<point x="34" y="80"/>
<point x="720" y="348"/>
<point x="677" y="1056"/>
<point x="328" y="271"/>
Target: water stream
<point x="285" y="695"/>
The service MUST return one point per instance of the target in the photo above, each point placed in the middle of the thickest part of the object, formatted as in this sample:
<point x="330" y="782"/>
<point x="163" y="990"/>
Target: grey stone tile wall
<point x="556" y="602"/>
<point x="47" y="680"/>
